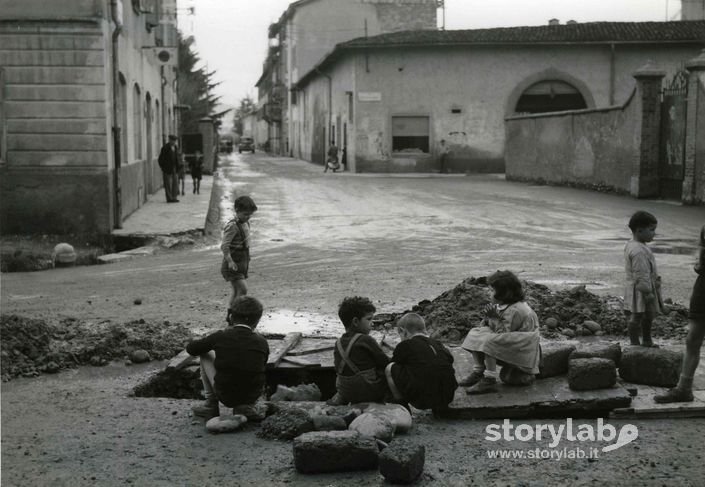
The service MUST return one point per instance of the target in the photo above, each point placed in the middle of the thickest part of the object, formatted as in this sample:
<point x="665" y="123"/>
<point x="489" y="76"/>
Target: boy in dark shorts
<point x="233" y="360"/>
<point x="359" y="360"/>
<point x="236" y="247"/>
<point x="421" y="371"/>
<point x="683" y="392"/>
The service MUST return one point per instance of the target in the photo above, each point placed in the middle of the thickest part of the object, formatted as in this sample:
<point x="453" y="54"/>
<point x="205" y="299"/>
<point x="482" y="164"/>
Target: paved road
<point x="397" y="238"/>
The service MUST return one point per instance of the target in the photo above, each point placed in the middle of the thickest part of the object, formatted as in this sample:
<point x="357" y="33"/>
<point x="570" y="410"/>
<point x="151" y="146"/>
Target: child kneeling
<point x="359" y="360"/>
<point x="421" y="372"/>
<point x="233" y="360"/>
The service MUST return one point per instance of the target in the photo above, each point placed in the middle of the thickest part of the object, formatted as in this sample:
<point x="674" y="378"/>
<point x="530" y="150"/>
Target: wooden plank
<point x="289" y="342"/>
<point x="183" y="359"/>
<point x="88" y="126"/>
<point x="55" y="93"/>
<point x="299" y="362"/>
<point x="54" y="109"/>
<point x="55" y="158"/>
<point x="321" y="348"/>
<point x="51" y="58"/>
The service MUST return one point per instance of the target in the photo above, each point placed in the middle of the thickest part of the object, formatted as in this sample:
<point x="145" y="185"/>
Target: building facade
<point x="309" y="30"/>
<point x="88" y="93"/>
<point x="391" y="99"/>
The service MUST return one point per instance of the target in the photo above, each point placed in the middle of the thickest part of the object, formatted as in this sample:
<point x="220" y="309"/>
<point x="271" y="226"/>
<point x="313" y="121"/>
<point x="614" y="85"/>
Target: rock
<point x="51" y="367"/>
<point x="335" y="451"/>
<point x="554" y="358"/>
<point x="140" y="356"/>
<point x="650" y="366"/>
<point x="137" y="301"/>
<point x="329" y="423"/>
<point x="63" y="255"/>
<point x="225" y="423"/>
<point x="586" y="374"/>
<point x="372" y="425"/>
<point x="515" y="377"/>
<point x="303" y="392"/>
<point x="551" y="323"/>
<point x="97" y="360"/>
<point x="286" y="425"/>
<point x="402" y="462"/>
<point x="592" y="326"/>
<point x="568" y="333"/>
<point x="606" y="350"/>
<point x="397" y="414"/>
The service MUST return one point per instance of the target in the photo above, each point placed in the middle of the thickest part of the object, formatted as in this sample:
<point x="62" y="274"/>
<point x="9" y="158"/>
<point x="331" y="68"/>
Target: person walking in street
<point x="683" y="392"/>
<point x="332" y="161"/>
<point x="236" y="247"/>
<point x="444" y="150"/>
<point x="182" y="174"/>
<point x="169" y="164"/>
<point x="196" y="168"/>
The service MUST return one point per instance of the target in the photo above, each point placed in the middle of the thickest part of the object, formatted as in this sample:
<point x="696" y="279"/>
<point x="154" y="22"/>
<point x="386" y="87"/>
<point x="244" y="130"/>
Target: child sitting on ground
<point x="509" y="333"/>
<point x="421" y="372"/>
<point x="233" y="360"/>
<point x="642" y="293"/>
<point x="359" y="360"/>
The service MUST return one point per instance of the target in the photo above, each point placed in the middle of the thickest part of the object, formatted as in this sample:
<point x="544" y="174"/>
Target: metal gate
<point x="672" y="143"/>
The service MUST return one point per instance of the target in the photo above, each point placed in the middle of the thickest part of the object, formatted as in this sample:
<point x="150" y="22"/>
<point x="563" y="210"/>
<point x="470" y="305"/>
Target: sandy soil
<point x="318" y="238"/>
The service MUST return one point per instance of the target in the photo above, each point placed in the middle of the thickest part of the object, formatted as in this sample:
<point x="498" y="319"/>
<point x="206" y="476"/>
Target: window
<point x="137" y="123"/>
<point x="410" y="134"/>
<point x="550" y="96"/>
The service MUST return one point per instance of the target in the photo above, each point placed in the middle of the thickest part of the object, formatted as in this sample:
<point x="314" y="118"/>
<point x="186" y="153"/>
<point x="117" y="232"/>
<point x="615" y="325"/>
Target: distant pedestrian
<point x="683" y="392"/>
<point x="444" y="150"/>
<point x="642" y="292"/>
<point x="332" y="161"/>
<point x="196" y="168"/>
<point x="169" y="164"/>
<point x="236" y="247"/>
<point x="344" y="159"/>
<point x="182" y="173"/>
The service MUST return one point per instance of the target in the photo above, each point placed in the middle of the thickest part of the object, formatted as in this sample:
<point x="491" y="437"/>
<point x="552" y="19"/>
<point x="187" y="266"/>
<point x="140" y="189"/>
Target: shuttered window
<point x="410" y="134"/>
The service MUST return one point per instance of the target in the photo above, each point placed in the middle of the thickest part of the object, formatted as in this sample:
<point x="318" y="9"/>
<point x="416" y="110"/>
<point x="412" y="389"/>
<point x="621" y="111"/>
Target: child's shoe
<point x="472" y="379"/>
<point x="483" y="386"/>
<point x="336" y="400"/>
<point x="674" y="395"/>
<point x="209" y="409"/>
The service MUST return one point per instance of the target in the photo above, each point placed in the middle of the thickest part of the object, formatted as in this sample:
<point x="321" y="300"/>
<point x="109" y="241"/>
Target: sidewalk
<point x="157" y="217"/>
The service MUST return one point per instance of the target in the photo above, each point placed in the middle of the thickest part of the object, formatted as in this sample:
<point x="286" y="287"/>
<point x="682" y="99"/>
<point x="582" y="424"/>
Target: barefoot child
<point x="642" y="293"/>
<point x="359" y="360"/>
<point x="233" y="360"/>
<point x="509" y="332"/>
<point x="683" y="392"/>
<point x="236" y="247"/>
<point x="421" y="372"/>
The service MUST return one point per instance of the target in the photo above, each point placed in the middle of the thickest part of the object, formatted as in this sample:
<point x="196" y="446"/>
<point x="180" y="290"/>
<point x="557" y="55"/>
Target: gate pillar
<point x="694" y="164"/>
<point x="645" y="180"/>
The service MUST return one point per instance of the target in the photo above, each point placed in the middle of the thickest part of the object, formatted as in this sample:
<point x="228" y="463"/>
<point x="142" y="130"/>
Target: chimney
<point x="554" y="22"/>
<point x="571" y="22"/>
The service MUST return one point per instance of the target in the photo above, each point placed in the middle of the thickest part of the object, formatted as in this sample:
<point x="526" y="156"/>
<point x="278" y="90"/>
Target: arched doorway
<point x="550" y="96"/>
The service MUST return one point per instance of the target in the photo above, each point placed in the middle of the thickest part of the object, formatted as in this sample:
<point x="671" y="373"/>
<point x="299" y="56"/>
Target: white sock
<point x="491" y="374"/>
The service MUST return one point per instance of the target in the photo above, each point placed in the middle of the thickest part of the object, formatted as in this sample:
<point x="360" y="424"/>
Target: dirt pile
<point x="32" y="346"/>
<point x="450" y="315"/>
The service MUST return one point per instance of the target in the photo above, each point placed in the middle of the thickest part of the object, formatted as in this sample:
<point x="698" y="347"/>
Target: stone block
<point x="402" y="461"/>
<point x="593" y="326"/>
<point x="369" y="424"/>
<point x="650" y="366"/>
<point x="335" y="451"/>
<point x="140" y="356"/>
<point x="608" y="350"/>
<point x="399" y="416"/>
<point x="303" y="392"/>
<point x="286" y="425"/>
<point x="329" y="423"/>
<point x="225" y="423"/>
<point x="554" y="358"/>
<point x="586" y="374"/>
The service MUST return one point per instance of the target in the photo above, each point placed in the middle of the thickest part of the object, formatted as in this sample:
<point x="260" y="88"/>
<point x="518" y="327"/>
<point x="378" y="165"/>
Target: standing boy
<point x="421" y="372"/>
<point x="236" y="247"/>
<point x="233" y="360"/>
<point x="683" y="392"/>
<point x="359" y="360"/>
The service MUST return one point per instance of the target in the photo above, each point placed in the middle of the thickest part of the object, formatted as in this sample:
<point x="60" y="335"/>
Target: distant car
<point x="247" y="144"/>
<point x="226" y="145"/>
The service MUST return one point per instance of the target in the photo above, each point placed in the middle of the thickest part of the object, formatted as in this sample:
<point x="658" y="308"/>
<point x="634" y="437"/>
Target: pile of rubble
<point x="32" y="346"/>
<point x="569" y="313"/>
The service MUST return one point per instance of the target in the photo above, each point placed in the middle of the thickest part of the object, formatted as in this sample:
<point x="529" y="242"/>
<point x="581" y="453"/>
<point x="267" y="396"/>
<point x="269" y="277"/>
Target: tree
<point x="195" y="88"/>
<point x="247" y="107"/>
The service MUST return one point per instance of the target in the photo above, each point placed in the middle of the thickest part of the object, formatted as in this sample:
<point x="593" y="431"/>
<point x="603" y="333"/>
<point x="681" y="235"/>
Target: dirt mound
<point x="31" y="346"/>
<point x="450" y="315"/>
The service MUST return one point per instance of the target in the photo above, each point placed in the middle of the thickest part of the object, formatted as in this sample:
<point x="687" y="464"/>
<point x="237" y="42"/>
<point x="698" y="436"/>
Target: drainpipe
<point x="330" y="105"/>
<point x="612" y="56"/>
<point x="114" y="13"/>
